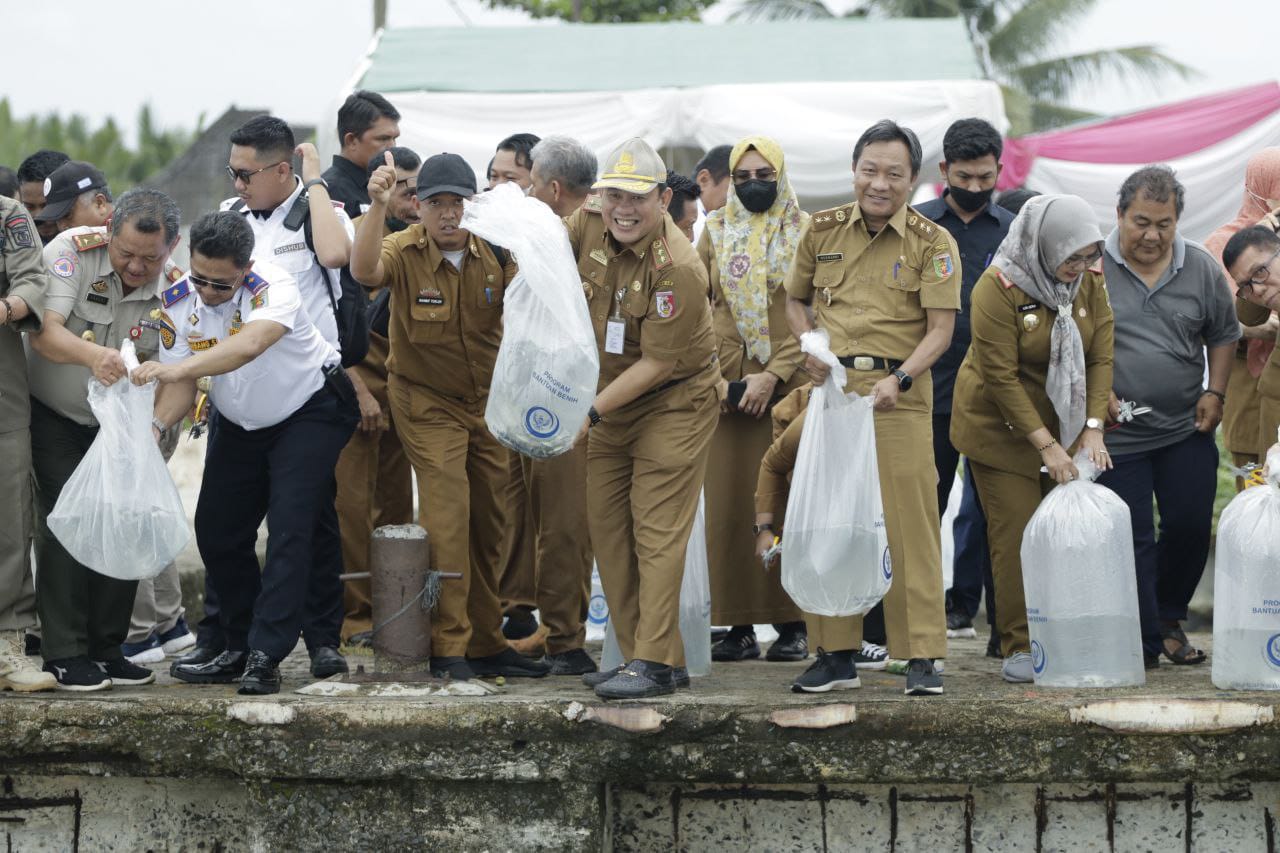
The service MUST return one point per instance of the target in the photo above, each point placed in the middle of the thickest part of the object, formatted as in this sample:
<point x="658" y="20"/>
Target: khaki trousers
<point x="914" y="611"/>
<point x="460" y="469"/>
<point x="1242" y="414"/>
<point x="157" y="605"/>
<point x="742" y="592"/>
<point x="17" y="526"/>
<point x="517" y="570"/>
<point x="374" y="488"/>
<point x="645" y="469"/>
<point x="1009" y="500"/>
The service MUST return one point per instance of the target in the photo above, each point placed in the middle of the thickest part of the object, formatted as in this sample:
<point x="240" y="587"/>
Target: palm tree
<point x="1013" y="41"/>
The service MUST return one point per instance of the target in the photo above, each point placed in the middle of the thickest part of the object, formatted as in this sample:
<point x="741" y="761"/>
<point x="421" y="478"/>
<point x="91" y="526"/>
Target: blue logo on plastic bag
<point x="598" y="610"/>
<point x="886" y="565"/>
<point x="1273" y="650"/>
<point x="1037" y="657"/>
<point x="541" y="423"/>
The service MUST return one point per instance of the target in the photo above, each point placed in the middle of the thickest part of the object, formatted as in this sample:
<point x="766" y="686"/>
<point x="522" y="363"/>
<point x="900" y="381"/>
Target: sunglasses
<point x="244" y="175"/>
<point x="216" y="285"/>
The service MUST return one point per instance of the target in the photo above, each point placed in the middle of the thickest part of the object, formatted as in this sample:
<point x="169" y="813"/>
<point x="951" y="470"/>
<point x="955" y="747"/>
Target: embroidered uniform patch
<point x="260" y="299"/>
<point x="203" y="345"/>
<point x="665" y="301"/>
<point x="19" y="231"/>
<point x="98" y="286"/>
<point x="942" y="265"/>
<point x="168" y="333"/>
<point x="64" y="267"/>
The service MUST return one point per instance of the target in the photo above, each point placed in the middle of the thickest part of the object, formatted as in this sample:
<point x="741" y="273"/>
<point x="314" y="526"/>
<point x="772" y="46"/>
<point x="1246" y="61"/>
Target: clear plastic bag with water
<point x="1246" y="587"/>
<point x="545" y="377"/>
<point x="120" y="513"/>
<point x="695" y="607"/>
<point x="835" y="559"/>
<point x="1081" y="587"/>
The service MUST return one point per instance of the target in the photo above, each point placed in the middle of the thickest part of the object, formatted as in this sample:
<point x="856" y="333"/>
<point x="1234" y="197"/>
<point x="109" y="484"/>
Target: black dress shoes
<point x="197" y="655"/>
<point x="261" y="675"/>
<point x="223" y="668"/>
<point x="572" y="662"/>
<point x="326" y="662"/>
<point x="508" y="663"/>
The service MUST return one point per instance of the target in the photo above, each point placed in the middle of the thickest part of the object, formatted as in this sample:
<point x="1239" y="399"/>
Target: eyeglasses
<point x="244" y="175"/>
<point x="216" y="285"/>
<point x="1083" y="260"/>
<point x="741" y="176"/>
<point x="1260" y="275"/>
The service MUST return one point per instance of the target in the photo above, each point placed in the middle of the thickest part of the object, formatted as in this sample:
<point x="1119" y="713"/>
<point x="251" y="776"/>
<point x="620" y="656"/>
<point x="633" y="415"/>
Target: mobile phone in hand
<point x="736" y="390"/>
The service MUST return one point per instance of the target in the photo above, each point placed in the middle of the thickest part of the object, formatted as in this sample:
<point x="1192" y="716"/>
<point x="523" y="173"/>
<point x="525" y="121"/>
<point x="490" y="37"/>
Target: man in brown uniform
<point x="23" y="285"/>
<point x="1252" y="257"/>
<point x="374" y="477"/>
<point x="446" y="323"/>
<point x="653" y="417"/>
<point x="885" y="283"/>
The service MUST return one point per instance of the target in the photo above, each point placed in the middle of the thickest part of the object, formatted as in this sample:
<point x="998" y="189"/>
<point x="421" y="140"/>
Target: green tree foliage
<point x="609" y="11"/>
<point x="1015" y="42"/>
<point x="104" y="147"/>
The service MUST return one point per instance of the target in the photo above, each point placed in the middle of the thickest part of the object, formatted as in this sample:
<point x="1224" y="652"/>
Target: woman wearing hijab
<point x="1034" y="386"/>
<point x="747" y="246"/>
<point x="1243" y="432"/>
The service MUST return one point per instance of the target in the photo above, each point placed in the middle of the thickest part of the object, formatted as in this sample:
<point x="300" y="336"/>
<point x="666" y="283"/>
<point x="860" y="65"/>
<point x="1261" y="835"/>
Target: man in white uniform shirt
<point x="284" y="411"/>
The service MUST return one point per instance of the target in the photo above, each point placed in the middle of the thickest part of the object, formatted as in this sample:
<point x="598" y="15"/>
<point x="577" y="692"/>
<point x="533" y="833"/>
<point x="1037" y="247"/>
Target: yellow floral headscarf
<point x="754" y="250"/>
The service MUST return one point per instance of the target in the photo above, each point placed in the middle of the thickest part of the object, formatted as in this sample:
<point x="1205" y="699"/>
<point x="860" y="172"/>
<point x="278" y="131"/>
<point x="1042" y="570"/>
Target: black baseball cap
<point x="446" y="173"/>
<point x="64" y="185"/>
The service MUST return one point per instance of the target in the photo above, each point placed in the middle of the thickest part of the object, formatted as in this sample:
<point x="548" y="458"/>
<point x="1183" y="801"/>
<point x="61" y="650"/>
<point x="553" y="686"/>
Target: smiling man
<point x="1252" y="256"/>
<point x="655" y="410"/>
<point x="884" y="282"/>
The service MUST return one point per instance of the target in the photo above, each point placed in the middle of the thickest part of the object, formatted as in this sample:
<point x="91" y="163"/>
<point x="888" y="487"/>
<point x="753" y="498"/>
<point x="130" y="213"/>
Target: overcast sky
<point x="187" y="58"/>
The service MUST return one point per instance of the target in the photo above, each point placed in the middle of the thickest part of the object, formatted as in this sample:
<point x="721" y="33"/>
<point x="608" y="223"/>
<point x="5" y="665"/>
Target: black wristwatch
<point x="593" y="416"/>
<point x="904" y="379"/>
<point x="757" y="529"/>
<point x="311" y="183"/>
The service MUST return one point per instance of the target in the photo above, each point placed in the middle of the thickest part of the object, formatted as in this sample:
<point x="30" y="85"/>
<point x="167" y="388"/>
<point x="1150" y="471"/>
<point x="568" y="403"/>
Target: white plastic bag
<point x="545" y="377"/>
<point x="120" y="513"/>
<point x="1246" y="588"/>
<point x="695" y="606"/>
<point x="1081" y="587"/>
<point x="835" y="558"/>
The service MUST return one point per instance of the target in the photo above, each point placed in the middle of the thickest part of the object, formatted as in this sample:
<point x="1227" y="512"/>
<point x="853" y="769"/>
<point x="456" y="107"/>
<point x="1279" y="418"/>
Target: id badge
<point x="615" y="336"/>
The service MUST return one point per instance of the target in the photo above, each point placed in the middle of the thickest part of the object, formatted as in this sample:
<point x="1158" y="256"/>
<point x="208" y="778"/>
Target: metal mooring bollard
<point x="400" y="560"/>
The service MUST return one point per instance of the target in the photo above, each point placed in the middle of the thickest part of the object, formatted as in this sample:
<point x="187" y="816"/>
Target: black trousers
<point x="285" y="474"/>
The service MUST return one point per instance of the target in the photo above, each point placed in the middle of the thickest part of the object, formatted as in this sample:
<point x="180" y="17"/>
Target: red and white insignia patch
<point x="666" y="303"/>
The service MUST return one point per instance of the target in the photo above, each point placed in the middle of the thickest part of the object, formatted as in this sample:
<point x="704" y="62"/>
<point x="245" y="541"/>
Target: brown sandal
<point x="1185" y="654"/>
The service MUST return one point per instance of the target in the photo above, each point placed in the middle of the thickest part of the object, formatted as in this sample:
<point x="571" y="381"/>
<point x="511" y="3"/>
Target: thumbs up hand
<point x="382" y="181"/>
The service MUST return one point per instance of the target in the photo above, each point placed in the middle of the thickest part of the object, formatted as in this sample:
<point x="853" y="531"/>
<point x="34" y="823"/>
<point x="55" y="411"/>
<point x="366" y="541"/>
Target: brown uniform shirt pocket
<point x="904" y="294"/>
<point x="428" y="318"/>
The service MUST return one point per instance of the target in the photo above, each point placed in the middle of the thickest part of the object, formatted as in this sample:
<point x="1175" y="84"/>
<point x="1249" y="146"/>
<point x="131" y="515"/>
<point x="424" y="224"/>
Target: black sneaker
<point x="125" y="674"/>
<point x="792" y="644"/>
<point x="922" y="680"/>
<point x="77" y="675"/>
<point x="519" y="624"/>
<point x="679" y="675"/>
<point x="639" y="679"/>
<point x="572" y="662"/>
<point x="738" y="644"/>
<point x="831" y="671"/>
<point x="327" y="662"/>
<point x="508" y="663"/>
<point x="871" y="656"/>
<point x="261" y="675"/>
<point x="452" y="667"/>
<point x="960" y="625"/>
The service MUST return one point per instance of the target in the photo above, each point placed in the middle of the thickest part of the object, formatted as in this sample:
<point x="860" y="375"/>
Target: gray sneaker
<point x="1017" y="668"/>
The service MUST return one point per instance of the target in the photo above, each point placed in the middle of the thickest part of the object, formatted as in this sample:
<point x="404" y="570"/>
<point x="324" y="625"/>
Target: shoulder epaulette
<point x="661" y="254"/>
<point x="1005" y="281"/>
<point x="592" y="204"/>
<point x="824" y="219"/>
<point x="254" y="283"/>
<point x="176" y="293"/>
<point x="921" y="224"/>
<point x="92" y="240"/>
<point x="174" y="273"/>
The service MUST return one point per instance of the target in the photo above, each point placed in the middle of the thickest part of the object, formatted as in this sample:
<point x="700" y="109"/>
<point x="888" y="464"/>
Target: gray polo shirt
<point x="1161" y="333"/>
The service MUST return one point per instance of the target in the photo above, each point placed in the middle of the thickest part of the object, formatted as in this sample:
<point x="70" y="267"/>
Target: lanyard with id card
<point x="616" y="328"/>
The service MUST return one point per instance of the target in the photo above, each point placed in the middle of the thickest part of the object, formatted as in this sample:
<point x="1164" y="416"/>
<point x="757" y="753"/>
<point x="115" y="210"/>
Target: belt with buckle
<point x="869" y="362"/>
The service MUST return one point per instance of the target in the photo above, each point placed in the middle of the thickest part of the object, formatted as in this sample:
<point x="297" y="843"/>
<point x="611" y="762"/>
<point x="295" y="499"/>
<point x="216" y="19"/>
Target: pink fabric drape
<point x="1150" y="136"/>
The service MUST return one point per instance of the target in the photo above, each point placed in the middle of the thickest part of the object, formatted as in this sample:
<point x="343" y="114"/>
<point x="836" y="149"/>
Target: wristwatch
<point x="904" y="379"/>
<point x="757" y="529"/>
<point x="593" y="416"/>
<point x="1093" y="423"/>
<point x="311" y="183"/>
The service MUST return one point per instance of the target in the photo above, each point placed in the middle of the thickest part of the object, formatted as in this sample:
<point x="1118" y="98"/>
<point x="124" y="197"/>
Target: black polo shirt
<point x="977" y="241"/>
<point x="349" y="184"/>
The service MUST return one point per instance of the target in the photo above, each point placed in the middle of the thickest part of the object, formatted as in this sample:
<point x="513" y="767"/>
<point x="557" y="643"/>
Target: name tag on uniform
<point x="430" y="297"/>
<point x="831" y="256"/>
<point x="1030" y="306"/>
<point x="615" y="336"/>
<point x="98" y="298"/>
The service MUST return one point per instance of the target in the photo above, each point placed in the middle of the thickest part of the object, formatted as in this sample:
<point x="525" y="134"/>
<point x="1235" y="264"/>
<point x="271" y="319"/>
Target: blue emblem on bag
<point x="886" y="565"/>
<point x="541" y="423"/>
<point x="598" y="610"/>
<point x="1273" y="650"/>
<point x="1037" y="657"/>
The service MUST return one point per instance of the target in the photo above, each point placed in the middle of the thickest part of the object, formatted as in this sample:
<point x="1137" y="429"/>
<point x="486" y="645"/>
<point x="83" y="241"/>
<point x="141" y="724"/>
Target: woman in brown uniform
<point x="747" y="247"/>
<point x="1033" y="386"/>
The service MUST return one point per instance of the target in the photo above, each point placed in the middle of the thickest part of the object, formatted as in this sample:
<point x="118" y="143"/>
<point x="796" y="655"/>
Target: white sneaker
<point x="1017" y="668"/>
<point x="17" y="672"/>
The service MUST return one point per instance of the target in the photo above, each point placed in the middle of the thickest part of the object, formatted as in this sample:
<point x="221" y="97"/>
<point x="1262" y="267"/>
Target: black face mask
<point x="757" y="196"/>
<point x="970" y="201"/>
<point x="396" y="225"/>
